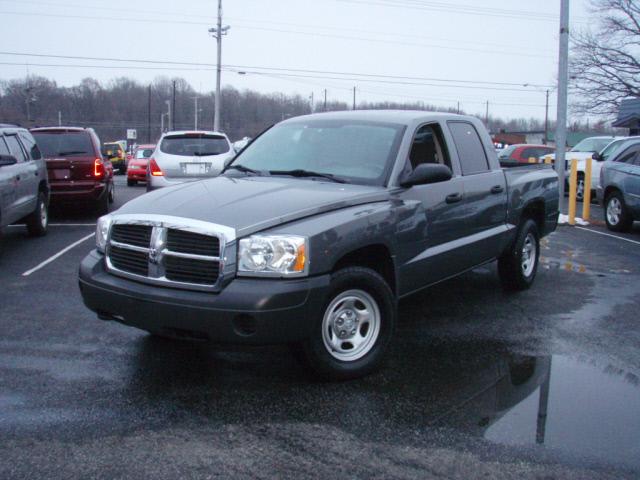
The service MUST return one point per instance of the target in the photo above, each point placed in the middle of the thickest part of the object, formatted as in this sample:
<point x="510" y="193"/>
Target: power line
<point x="474" y="83"/>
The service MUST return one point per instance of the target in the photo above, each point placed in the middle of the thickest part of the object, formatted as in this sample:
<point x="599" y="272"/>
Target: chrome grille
<point x="167" y="251"/>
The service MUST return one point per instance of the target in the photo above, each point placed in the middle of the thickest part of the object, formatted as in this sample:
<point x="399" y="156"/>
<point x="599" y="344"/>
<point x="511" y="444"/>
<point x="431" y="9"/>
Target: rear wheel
<point x="102" y="207"/>
<point x="112" y="193"/>
<point x="616" y="213"/>
<point x="38" y="220"/>
<point x="518" y="267"/>
<point x="131" y="183"/>
<point x="351" y="333"/>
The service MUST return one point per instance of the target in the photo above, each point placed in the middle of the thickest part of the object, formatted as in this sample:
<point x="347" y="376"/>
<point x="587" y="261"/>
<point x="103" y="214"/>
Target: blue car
<point x="619" y="190"/>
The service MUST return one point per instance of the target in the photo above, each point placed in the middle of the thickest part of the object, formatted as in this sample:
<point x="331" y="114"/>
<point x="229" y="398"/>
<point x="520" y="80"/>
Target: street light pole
<point x="195" y="119"/>
<point x="563" y="74"/>
<point x="218" y="32"/>
<point x="546" y="119"/>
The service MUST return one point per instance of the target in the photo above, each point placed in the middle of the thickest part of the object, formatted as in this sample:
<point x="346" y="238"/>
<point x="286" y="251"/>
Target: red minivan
<point x="78" y="174"/>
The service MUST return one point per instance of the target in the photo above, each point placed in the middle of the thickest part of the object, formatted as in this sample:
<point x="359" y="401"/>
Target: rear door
<point x="25" y="202"/>
<point x="70" y="156"/>
<point x="31" y="179"/>
<point x="485" y="194"/>
<point x="8" y="188"/>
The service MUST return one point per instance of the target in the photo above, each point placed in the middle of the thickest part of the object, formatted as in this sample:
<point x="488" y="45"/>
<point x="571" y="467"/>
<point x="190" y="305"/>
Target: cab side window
<point x="4" y="150"/>
<point x="473" y="158"/>
<point x="629" y="156"/>
<point x="428" y="147"/>
<point x="15" y="148"/>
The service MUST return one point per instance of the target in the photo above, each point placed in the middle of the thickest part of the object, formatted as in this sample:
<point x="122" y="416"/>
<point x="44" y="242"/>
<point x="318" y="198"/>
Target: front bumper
<point x="246" y="311"/>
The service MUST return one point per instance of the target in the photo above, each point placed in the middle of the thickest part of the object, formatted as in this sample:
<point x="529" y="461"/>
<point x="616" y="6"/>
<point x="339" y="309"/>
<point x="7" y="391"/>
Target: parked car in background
<point x="137" y="166"/>
<point x="115" y="152"/>
<point x="619" y="189"/>
<point x="523" y="153"/>
<point x="241" y="144"/>
<point x="24" y="189"/>
<point x="588" y="148"/>
<point x="78" y="174"/>
<point x="187" y="156"/>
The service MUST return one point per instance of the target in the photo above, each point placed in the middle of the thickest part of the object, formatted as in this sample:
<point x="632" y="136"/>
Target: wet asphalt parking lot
<point x="479" y="383"/>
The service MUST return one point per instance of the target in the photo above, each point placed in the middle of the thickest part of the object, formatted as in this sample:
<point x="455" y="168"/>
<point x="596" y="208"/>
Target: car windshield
<point x="357" y="151"/>
<point x="610" y="149"/>
<point x="67" y="144"/>
<point x="194" y="145"/>
<point x="591" y="144"/>
<point x="506" y="153"/>
<point x="144" y="153"/>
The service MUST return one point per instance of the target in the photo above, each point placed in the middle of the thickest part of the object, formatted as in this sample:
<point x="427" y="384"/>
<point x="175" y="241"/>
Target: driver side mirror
<point x="6" y="160"/>
<point x="427" y="173"/>
<point x="597" y="157"/>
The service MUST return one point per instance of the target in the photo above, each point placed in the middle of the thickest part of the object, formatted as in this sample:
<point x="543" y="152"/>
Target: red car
<point x="78" y="173"/>
<point x="137" y="166"/>
<point x="522" y="153"/>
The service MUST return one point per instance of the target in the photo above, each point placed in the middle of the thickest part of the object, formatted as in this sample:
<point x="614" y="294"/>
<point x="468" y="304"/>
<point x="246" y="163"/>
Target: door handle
<point x="453" y="198"/>
<point x="497" y="189"/>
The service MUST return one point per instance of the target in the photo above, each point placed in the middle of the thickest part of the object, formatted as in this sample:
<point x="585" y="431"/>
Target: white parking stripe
<point x="59" y="254"/>
<point x="608" y="235"/>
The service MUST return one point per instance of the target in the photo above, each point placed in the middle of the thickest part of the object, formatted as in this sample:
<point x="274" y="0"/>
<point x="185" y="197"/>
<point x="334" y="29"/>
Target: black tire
<point x="580" y="187"/>
<point x="620" y="221"/>
<point x="131" y="183"/>
<point x="511" y="267"/>
<point x="376" y="290"/>
<point x="112" y="193"/>
<point x="38" y="220"/>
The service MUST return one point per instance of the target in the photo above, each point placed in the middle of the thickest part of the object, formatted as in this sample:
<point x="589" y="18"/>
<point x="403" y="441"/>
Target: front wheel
<point x="518" y="266"/>
<point x="38" y="221"/>
<point x="351" y="333"/>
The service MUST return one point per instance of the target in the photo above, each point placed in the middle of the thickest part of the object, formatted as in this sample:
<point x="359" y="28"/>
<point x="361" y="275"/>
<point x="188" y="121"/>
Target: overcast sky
<point x="460" y="41"/>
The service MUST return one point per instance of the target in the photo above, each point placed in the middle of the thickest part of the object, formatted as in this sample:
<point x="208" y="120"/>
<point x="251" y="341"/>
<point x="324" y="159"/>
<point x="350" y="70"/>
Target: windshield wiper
<point x="71" y="152"/>
<point x="204" y="154"/>
<point x="298" y="172"/>
<point x="242" y="168"/>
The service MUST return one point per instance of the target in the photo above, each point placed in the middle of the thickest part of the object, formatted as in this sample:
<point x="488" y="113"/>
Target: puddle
<point x="571" y="406"/>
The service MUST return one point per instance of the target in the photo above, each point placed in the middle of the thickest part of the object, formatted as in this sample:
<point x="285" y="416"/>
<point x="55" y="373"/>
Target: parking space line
<point x="59" y="254"/>
<point x="608" y="235"/>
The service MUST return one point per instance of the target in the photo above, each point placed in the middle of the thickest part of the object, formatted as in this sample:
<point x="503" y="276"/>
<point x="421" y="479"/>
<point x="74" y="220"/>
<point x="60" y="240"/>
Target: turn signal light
<point x="155" y="169"/>
<point x="98" y="168"/>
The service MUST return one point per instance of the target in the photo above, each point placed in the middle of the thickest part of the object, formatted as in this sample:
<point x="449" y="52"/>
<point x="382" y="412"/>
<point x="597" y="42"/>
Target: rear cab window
<point x="196" y="144"/>
<point x="64" y="144"/>
<point x="473" y="158"/>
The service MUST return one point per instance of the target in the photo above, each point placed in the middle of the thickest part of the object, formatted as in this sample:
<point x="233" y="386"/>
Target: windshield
<point x="592" y="144"/>
<point x="194" y="145"/>
<point x="610" y="149"/>
<point x="144" y="153"/>
<point x="506" y="153"/>
<point x="359" y="151"/>
<point x="66" y="144"/>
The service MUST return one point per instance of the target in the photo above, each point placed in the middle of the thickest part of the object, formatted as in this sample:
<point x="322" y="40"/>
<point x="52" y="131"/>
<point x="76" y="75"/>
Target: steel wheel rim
<point x="351" y="325"/>
<point x="614" y="210"/>
<point x="529" y="251"/>
<point x="44" y="216"/>
<point x="580" y="189"/>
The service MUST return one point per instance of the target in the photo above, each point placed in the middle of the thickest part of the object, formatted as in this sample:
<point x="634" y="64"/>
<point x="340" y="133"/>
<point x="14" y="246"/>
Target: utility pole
<point x="546" y="120"/>
<point x="162" y="123"/>
<point x="59" y="118"/>
<point x="311" y="101"/>
<point x="173" y="108"/>
<point x="149" y="116"/>
<point x="169" y="116"/>
<point x="354" y="98"/>
<point x="486" y="115"/>
<point x="195" y="115"/>
<point x="325" y="101"/>
<point x="563" y="74"/>
<point x="218" y="32"/>
<point x="458" y="111"/>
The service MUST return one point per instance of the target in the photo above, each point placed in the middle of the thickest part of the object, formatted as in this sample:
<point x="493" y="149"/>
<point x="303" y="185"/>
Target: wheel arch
<point x="375" y="256"/>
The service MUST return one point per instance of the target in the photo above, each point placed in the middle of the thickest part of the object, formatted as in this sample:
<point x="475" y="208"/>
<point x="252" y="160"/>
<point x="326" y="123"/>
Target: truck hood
<point x="251" y="204"/>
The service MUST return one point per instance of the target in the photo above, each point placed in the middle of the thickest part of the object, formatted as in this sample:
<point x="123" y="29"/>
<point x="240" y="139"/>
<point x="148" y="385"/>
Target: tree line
<point x="123" y="103"/>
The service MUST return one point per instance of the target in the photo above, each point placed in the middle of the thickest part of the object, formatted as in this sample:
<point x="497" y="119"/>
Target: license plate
<point x="60" y="174"/>
<point x="195" y="168"/>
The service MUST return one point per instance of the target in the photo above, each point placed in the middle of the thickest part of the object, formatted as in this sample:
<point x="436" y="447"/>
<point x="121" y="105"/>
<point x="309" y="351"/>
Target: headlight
<point x="273" y="255"/>
<point x="102" y="232"/>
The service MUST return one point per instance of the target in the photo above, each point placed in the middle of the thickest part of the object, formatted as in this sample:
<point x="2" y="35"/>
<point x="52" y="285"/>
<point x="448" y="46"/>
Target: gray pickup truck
<point x="312" y="234"/>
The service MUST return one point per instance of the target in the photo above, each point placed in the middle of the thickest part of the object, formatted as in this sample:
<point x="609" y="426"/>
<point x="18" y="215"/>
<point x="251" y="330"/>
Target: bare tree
<point x="605" y="63"/>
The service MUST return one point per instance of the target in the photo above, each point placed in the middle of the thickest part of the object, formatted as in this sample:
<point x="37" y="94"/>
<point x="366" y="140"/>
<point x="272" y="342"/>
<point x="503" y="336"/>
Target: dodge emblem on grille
<point x="153" y="256"/>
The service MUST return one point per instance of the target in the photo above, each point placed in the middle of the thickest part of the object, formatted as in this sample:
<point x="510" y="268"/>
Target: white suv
<point x="186" y="156"/>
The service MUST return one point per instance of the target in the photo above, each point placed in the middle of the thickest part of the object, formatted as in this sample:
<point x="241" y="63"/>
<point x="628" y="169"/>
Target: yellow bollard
<point x="573" y="186"/>
<point x="533" y="160"/>
<point x="547" y="160"/>
<point x="586" y="199"/>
